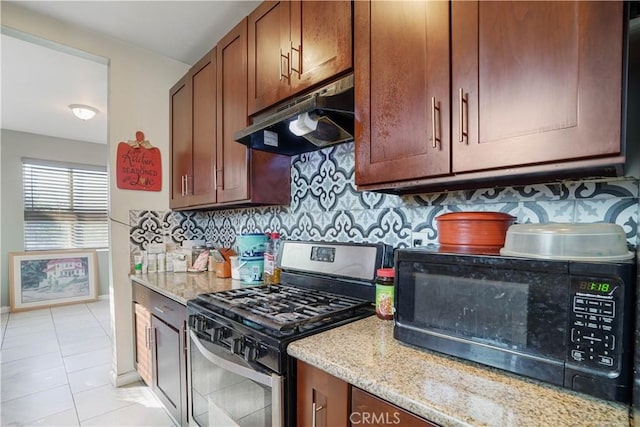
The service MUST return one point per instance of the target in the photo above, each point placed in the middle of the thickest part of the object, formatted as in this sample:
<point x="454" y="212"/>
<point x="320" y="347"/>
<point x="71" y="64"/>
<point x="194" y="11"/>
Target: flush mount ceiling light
<point x="83" y="112"/>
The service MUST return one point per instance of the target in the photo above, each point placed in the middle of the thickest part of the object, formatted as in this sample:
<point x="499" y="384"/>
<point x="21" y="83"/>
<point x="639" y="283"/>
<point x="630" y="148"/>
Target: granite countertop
<point x="182" y="287"/>
<point x="443" y="390"/>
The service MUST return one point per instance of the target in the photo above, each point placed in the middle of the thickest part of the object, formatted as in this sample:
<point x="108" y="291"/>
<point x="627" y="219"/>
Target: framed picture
<point x="40" y="279"/>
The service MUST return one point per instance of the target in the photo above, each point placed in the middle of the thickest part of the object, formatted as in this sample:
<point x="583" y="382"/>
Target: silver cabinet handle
<point x="461" y="102"/>
<point x="314" y="410"/>
<point x="434" y="107"/>
<point x="299" y="51"/>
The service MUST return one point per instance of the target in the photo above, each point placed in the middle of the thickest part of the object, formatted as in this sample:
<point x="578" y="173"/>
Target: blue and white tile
<point x="604" y="188"/>
<point x="545" y="211"/>
<point x="390" y="226"/>
<point x="623" y="212"/>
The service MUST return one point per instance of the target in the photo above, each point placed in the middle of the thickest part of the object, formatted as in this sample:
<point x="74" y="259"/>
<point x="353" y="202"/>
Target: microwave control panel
<point x="593" y="324"/>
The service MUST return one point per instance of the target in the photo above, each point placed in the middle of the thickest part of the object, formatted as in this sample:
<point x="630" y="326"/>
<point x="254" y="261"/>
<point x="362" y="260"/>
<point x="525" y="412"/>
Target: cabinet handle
<point x="182" y="185"/>
<point x="215" y="176"/>
<point x="288" y="65"/>
<point x="147" y="337"/>
<point x="434" y="107"/>
<point x="160" y="310"/>
<point x="461" y="102"/>
<point x="186" y="185"/>
<point x="299" y="51"/>
<point x="314" y="410"/>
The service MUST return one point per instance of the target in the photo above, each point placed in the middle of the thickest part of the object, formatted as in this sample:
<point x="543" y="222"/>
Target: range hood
<point x="309" y="122"/>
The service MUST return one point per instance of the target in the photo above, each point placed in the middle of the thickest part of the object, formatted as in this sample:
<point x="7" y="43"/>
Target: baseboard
<point x="103" y="297"/>
<point x="124" y="379"/>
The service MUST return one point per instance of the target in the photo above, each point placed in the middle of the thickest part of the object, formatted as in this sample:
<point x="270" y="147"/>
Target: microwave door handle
<point x="245" y="372"/>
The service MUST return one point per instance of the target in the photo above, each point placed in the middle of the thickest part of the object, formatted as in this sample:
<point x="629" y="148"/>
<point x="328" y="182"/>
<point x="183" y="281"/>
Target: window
<point x="65" y="206"/>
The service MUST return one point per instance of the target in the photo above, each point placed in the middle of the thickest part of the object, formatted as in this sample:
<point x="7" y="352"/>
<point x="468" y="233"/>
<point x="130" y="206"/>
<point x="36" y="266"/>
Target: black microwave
<point x="567" y="323"/>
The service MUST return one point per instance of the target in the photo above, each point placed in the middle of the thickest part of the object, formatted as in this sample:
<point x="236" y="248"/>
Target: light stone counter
<point x="443" y="390"/>
<point x="182" y="287"/>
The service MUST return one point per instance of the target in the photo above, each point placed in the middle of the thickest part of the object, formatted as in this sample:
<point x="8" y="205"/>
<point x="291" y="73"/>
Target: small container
<point x="195" y="253"/>
<point x="385" y="288"/>
<point x="161" y="262"/>
<point x="473" y="229"/>
<point x="153" y="263"/>
<point x="137" y="264"/>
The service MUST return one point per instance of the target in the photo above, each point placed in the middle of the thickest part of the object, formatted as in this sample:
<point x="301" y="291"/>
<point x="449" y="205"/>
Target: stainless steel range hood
<point x="322" y="117"/>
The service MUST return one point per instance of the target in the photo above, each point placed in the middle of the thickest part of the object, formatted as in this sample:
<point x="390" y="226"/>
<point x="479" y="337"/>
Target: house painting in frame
<point x="42" y="279"/>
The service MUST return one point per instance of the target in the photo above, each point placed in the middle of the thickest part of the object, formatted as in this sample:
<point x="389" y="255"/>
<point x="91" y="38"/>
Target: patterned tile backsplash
<point x="325" y="205"/>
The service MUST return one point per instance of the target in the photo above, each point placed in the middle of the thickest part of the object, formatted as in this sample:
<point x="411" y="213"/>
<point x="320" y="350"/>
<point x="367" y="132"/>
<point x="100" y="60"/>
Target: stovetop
<point x="280" y="308"/>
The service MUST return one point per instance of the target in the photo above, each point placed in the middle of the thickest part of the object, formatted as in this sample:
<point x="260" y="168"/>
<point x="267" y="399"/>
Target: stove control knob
<point x="238" y="346"/>
<point x="220" y="333"/>
<point x="251" y="351"/>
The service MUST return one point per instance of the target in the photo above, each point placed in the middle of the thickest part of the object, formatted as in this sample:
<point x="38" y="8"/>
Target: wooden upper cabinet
<point x="193" y="138"/>
<point x="181" y="152"/>
<point x="232" y="160"/>
<point x="202" y="184"/>
<point x="535" y="88"/>
<point x="539" y="82"/>
<point x="402" y="90"/>
<point x="294" y="45"/>
<point x="321" y="41"/>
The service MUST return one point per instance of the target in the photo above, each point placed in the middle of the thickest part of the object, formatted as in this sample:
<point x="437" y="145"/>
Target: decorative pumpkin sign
<point x="138" y="165"/>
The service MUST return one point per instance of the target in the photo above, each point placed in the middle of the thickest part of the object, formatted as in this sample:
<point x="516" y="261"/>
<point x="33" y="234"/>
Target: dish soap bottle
<point x="271" y="275"/>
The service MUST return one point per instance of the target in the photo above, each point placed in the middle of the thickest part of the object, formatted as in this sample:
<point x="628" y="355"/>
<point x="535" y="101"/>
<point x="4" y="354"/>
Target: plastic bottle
<point x="271" y="275"/>
<point x="385" y="282"/>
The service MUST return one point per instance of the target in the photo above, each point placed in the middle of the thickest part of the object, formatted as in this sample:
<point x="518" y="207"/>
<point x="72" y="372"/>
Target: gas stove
<point x="323" y="285"/>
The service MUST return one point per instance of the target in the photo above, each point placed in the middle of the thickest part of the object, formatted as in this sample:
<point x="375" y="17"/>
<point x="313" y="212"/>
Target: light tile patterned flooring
<point x="54" y="366"/>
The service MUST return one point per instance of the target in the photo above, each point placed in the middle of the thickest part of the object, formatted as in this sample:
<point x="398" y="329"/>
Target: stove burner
<point x="282" y="307"/>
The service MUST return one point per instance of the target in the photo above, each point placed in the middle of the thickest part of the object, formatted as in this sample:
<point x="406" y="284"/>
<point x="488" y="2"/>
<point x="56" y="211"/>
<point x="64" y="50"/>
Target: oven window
<point x="220" y="397"/>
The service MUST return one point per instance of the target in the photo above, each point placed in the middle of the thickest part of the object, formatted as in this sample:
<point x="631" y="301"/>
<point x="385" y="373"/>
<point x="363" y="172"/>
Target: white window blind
<point x="65" y="206"/>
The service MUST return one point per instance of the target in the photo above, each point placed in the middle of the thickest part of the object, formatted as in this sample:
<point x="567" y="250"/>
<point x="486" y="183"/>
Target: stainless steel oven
<point x="240" y="373"/>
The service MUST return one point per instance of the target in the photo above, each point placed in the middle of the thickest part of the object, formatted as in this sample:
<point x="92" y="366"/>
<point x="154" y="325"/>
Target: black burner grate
<point x="282" y="307"/>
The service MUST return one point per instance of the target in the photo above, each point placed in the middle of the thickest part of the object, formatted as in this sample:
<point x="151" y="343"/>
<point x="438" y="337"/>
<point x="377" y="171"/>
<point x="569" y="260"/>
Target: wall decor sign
<point x="138" y="165"/>
<point x="40" y="279"/>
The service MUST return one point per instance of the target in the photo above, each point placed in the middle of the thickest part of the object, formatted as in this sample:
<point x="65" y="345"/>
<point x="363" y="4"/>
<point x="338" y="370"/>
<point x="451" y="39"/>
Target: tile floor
<point x="54" y="367"/>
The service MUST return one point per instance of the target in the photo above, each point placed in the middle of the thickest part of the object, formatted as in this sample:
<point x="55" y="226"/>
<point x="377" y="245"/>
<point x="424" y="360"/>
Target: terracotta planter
<point x="473" y="229"/>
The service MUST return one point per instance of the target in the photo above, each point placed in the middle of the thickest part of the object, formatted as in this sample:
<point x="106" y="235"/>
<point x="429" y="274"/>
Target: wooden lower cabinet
<point x="369" y="410"/>
<point x="326" y="401"/>
<point x="165" y="347"/>
<point x="323" y="400"/>
<point x="142" y="322"/>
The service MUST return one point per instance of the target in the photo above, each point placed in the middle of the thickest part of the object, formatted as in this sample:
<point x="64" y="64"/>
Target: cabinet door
<point x="201" y="184"/>
<point x="535" y="82"/>
<point x="233" y="157"/>
<point x="143" y="343"/>
<point x="167" y="353"/>
<point x="321" y="41"/>
<point x="402" y="90"/>
<point x="269" y="57"/>
<point x="322" y="398"/>
<point x="369" y="410"/>
<point x="181" y="147"/>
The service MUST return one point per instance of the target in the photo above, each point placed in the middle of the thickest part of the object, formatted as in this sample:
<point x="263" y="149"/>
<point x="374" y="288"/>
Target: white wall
<point x="16" y="145"/>
<point x="139" y="83"/>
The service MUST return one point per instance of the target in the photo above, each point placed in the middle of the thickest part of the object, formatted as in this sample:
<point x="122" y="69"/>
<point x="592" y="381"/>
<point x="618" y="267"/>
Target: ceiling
<point x="41" y="78"/>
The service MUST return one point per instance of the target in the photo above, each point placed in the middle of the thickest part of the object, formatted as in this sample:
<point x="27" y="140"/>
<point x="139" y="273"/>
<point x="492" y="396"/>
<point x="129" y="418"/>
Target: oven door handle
<point x="245" y="372"/>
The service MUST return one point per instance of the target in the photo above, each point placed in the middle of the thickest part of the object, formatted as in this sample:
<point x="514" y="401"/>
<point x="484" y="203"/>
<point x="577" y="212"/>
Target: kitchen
<point x="324" y="204"/>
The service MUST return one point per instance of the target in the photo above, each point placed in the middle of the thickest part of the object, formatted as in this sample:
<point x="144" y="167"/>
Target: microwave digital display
<point x="597" y="287"/>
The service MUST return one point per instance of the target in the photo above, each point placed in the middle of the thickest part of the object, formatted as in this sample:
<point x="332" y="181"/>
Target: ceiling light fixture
<point x="83" y="112"/>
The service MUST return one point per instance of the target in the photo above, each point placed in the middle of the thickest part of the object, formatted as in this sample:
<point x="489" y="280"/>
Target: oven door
<point x="227" y="391"/>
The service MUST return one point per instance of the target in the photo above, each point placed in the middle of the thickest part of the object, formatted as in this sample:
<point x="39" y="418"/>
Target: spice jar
<point x="385" y="278"/>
